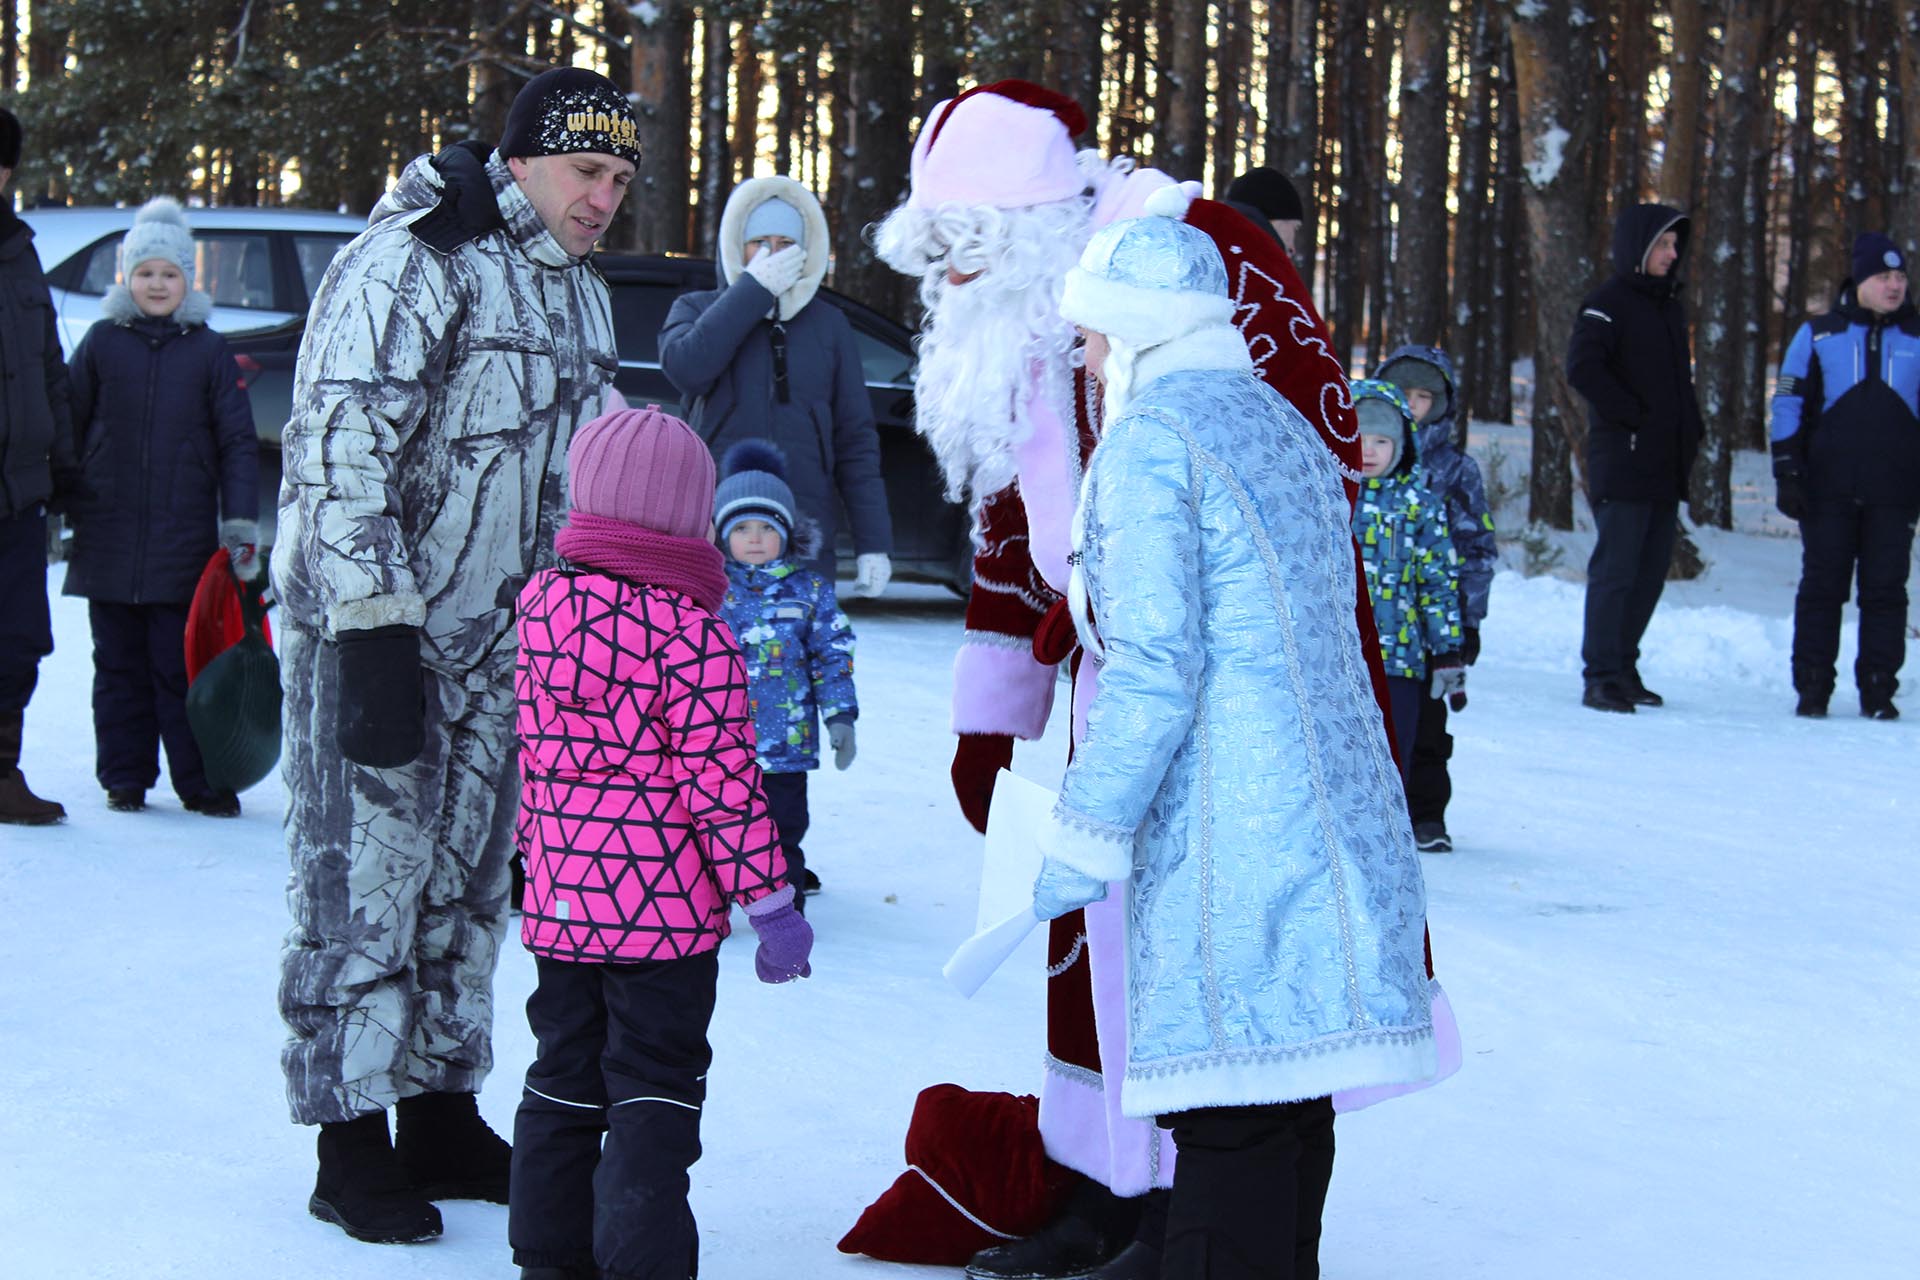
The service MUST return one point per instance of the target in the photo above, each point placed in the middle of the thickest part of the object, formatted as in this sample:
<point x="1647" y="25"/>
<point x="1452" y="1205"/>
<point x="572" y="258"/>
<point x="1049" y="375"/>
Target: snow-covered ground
<point x="1681" y="945"/>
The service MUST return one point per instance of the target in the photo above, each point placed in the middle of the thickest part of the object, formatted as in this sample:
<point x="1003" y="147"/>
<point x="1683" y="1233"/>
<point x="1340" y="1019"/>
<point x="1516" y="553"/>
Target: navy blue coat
<point x="1846" y="409"/>
<point x="1630" y="358"/>
<point x="166" y="450"/>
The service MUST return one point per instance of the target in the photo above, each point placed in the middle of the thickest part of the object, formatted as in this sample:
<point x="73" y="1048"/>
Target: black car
<point x="931" y="538"/>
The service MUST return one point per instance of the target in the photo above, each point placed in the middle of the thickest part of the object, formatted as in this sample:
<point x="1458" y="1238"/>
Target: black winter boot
<point x="1092" y="1230"/>
<point x="1141" y="1259"/>
<point x="18" y="804"/>
<point x="1876" y="697"/>
<point x="1815" y="687"/>
<point x="362" y="1188"/>
<point x="1637" y="692"/>
<point x="447" y="1149"/>
<point x="1606" y="695"/>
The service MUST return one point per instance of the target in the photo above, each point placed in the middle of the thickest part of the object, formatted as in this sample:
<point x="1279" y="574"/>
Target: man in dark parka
<point x="37" y="463"/>
<point x="1631" y="360"/>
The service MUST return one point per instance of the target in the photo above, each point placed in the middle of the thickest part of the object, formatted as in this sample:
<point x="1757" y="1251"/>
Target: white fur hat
<point x="1147" y="281"/>
<point x="159" y="231"/>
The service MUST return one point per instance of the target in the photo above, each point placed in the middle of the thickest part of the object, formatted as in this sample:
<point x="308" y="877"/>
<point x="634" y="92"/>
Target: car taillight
<point x="248" y="367"/>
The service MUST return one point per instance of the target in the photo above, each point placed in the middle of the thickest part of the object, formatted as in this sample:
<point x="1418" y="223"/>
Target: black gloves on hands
<point x="383" y="715"/>
<point x="1470" y="644"/>
<point x="1790" y="496"/>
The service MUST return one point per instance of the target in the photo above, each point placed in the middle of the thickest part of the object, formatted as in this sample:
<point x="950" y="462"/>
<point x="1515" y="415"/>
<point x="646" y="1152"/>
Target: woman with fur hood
<point x="169" y="469"/>
<point x="760" y="357"/>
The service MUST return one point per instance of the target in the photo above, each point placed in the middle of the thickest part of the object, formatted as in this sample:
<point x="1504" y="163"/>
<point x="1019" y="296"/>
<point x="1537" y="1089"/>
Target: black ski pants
<point x="140" y="698"/>
<point x="1248" y="1191"/>
<point x="609" y="1122"/>
<point x="1405" y="696"/>
<point x="787" y="801"/>
<point x="1429" y="788"/>
<point x="1841" y="542"/>
<point x="26" y="621"/>
<point x="1631" y="554"/>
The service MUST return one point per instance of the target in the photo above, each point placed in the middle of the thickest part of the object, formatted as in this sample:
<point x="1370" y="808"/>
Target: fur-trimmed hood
<point x="732" y="250"/>
<point x="119" y="307"/>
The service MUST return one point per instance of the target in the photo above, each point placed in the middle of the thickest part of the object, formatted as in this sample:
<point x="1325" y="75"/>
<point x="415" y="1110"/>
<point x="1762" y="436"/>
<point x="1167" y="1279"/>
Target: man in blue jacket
<point x="1629" y="357"/>
<point x="1846" y="463"/>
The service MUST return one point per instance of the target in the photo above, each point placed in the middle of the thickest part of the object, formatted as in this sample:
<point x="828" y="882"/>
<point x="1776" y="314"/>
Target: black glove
<point x="1789" y="496"/>
<point x="383" y="712"/>
<point x="1470" y="644"/>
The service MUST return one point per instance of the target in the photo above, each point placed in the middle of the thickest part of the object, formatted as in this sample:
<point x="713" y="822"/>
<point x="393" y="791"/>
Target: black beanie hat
<point x="1268" y="191"/>
<point x="1873" y="253"/>
<point x="10" y="139"/>
<point x="570" y="109"/>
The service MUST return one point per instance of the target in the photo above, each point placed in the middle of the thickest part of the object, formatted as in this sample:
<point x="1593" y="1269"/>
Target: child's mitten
<point x="786" y="939"/>
<point x="1450" y="680"/>
<point x="840" y="734"/>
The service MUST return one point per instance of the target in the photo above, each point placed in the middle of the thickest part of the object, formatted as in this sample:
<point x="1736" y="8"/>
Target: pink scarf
<point x="693" y="566"/>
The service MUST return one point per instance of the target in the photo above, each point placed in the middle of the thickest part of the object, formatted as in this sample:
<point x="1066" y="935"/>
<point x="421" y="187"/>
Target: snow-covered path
<point x="1681" y="946"/>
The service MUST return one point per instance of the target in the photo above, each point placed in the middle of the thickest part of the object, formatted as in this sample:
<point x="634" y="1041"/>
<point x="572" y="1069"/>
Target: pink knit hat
<point x="1008" y="145"/>
<point x="645" y="467"/>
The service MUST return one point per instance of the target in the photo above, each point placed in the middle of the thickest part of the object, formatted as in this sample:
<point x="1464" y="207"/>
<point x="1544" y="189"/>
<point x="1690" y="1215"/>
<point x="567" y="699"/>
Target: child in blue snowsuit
<point x="797" y="641"/>
<point x="1411" y="571"/>
<point x="1425" y="376"/>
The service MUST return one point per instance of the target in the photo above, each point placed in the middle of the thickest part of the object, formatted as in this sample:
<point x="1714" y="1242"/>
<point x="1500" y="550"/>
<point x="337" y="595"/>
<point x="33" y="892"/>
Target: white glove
<point x="840" y="734"/>
<point x="778" y="272"/>
<point x="871" y="573"/>
<point x="241" y="538"/>
<point x="1450" y="686"/>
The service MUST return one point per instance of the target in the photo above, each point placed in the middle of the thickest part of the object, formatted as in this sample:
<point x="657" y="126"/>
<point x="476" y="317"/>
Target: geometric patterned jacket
<point x="642" y="815"/>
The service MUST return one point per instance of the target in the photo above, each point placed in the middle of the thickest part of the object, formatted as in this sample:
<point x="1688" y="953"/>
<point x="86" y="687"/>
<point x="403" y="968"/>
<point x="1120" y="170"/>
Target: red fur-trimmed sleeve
<point x="998" y="687"/>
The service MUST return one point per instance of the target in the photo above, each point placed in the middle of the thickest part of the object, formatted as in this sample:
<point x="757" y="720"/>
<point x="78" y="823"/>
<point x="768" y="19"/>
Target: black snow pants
<point x="623" y="1057"/>
<point x="1429" y="787"/>
<point x="1842" y="541"/>
<point x="1248" y="1191"/>
<point x="26" y="620"/>
<point x="140" y="698"/>
<point x="787" y="801"/>
<point x="1632" y="551"/>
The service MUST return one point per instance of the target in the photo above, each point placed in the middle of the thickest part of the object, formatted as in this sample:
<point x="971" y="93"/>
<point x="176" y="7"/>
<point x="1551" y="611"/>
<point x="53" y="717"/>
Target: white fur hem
<point x="397" y="610"/>
<point x="1260" y="1077"/>
<point x="1001" y="689"/>
<point x="1092" y="847"/>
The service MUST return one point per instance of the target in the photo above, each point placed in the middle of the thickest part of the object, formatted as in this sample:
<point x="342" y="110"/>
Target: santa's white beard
<point x="982" y="342"/>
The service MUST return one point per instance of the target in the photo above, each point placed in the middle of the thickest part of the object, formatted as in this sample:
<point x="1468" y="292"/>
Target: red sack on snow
<point x="977" y="1176"/>
<point x="214" y="621"/>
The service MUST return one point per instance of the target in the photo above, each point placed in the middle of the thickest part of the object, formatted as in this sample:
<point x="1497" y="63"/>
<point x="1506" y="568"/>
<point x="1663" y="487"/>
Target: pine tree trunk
<point x="1300" y="149"/>
<point x="1800" y="198"/>
<point x="942" y="40"/>
<point x="1232" y="70"/>
<point x="1073" y="57"/>
<point x="1686" y="106"/>
<point x="1347" y="93"/>
<point x="879" y="98"/>
<point x="1557" y="77"/>
<point x="1631" y="48"/>
<point x="1750" y="422"/>
<point x="1510" y="284"/>
<point x="1720" y="324"/>
<point x="1185" y="131"/>
<point x="1906" y="211"/>
<point x="1006" y="41"/>
<point x="1420" y="262"/>
<point x="1860" y="151"/>
<point x="716" y="161"/>
<point x="494" y="86"/>
<point x="1128" y="125"/>
<point x="1379" y="195"/>
<point x="1472" y="238"/>
<point x="663" y="88"/>
<point x="746" y="89"/>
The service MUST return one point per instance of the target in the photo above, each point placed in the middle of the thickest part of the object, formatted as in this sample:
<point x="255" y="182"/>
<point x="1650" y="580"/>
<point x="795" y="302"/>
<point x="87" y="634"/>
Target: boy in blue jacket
<point x="1425" y="376"/>
<point x="797" y="640"/>
<point x="1846" y="461"/>
<point x="1411" y="571"/>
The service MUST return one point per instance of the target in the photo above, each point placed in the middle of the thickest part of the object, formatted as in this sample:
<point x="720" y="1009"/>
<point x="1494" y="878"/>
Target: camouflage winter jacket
<point x="799" y="648"/>
<point x="453" y="347"/>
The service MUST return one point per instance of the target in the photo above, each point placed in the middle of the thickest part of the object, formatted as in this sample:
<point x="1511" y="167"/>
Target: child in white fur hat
<point x="170" y="472"/>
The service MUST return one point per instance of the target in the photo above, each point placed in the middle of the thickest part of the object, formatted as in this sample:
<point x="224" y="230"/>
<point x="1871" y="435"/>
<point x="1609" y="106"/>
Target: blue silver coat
<point x="798" y="645"/>
<point x="1234" y="771"/>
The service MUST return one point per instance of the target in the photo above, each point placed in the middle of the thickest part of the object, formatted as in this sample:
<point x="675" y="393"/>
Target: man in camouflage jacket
<point x="452" y="349"/>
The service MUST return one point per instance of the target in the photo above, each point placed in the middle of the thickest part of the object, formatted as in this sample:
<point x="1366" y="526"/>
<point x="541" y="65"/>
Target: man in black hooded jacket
<point x="1630" y="358"/>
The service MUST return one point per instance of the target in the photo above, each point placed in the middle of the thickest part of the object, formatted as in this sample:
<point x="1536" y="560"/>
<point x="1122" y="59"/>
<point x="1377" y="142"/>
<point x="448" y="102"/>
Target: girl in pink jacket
<point x="642" y="819"/>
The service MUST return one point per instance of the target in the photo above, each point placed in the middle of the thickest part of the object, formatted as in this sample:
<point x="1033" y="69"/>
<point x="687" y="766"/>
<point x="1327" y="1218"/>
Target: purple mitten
<point x="786" y="938"/>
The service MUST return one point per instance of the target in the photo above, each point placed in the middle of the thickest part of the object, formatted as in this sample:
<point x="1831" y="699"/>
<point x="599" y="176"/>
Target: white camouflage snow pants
<point x="398" y="892"/>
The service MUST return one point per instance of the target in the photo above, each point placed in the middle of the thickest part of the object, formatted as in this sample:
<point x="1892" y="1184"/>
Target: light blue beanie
<point x="775" y="217"/>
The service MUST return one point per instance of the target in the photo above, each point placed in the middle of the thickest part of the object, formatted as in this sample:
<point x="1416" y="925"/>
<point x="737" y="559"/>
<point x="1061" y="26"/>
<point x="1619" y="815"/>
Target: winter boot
<point x="1092" y="1230"/>
<point x="1607" y="695"/>
<point x="1637" y="693"/>
<point x="1815" y="688"/>
<point x="447" y="1149"/>
<point x="363" y="1190"/>
<point x="18" y="804"/>
<point x="1141" y="1259"/>
<point x="559" y="1273"/>
<point x="126" y="799"/>
<point x="1432" y="837"/>
<point x="1876" y="697"/>
<point x="214" y="804"/>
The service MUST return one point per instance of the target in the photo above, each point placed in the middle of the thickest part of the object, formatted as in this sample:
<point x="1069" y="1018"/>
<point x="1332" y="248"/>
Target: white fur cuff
<point x="1089" y="846"/>
<point x="369" y="612"/>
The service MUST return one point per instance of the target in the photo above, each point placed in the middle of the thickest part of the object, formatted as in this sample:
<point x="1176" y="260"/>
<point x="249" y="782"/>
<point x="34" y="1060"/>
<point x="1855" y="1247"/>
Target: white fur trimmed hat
<point x="1147" y="281"/>
<point x="159" y="231"/>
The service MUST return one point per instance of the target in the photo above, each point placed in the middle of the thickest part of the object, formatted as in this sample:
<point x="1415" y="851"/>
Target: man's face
<point x="1883" y="293"/>
<point x="1660" y="258"/>
<point x="575" y="194"/>
<point x="1286" y="229"/>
